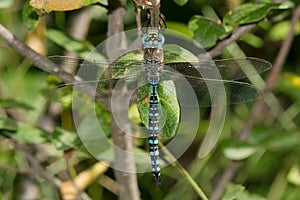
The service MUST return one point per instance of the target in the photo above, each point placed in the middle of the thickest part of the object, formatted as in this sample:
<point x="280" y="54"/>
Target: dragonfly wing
<point x="210" y="92"/>
<point x="227" y="69"/>
<point x="90" y="73"/>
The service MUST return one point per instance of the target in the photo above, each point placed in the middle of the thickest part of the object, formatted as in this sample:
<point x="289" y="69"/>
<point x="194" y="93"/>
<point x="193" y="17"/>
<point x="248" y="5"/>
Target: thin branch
<point x="271" y="82"/>
<point x="37" y="168"/>
<point x="234" y="37"/>
<point x="155" y="13"/>
<point x="170" y="158"/>
<point x="274" y="75"/>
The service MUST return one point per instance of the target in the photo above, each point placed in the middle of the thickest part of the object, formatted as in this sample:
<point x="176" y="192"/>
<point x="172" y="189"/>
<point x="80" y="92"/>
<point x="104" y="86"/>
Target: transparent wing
<point x="210" y="92"/>
<point x="229" y="69"/>
<point x="211" y="81"/>
<point x="90" y="72"/>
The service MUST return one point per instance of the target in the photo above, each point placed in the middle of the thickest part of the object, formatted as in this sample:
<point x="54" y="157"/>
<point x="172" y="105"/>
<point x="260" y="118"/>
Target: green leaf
<point x="252" y="40"/>
<point x="232" y="191"/>
<point x="30" y="16"/>
<point x="274" y="138"/>
<point x="11" y="103"/>
<point x="28" y="133"/>
<point x="294" y="175"/>
<point x="60" y="38"/>
<point x="206" y="31"/>
<point x="54" y="5"/>
<point x="180" y="27"/>
<point x="64" y="140"/>
<point x="235" y="150"/>
<point x="6" y="3"/>
<point x="280" y="30"/>
<point x="169" y="107"/>
<point x="289" y="84"/>
<point x="252" y="12"/>
<point x="7" y="124"/>
<point x="175" y="53"/>
<point x="180" y="2"/>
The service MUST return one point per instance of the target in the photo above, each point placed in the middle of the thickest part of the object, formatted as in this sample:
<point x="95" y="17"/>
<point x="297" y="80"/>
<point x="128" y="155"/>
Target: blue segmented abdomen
<point x="153" y="132"/>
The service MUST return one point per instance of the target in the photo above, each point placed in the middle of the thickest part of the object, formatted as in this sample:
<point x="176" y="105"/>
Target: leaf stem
<point x="170" y="158"/>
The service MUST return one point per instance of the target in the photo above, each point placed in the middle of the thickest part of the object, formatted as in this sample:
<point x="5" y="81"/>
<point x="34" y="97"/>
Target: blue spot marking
<point x="156" y="153"/>
<point x="151" y="153"/>
<point x="150" y="141"/>
<point x="151" y="114"/>
<point x="153" y="83"/>
<point x="157" y="162"/>
<point x="155" y="142"/>
<point x="156" y="128"/>
<point x="150" y="128"/>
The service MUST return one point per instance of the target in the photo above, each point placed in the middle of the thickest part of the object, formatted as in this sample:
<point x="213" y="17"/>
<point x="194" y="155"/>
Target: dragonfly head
<point x="153" y="39"/>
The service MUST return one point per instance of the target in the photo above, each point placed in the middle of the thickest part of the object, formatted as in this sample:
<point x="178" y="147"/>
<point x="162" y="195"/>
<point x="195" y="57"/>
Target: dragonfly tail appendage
<point x="153" y="135"/>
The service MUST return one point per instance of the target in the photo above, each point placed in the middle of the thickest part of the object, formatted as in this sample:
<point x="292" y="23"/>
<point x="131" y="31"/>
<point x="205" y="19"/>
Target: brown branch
<point x="273" y="77"/>
<point x="234" y="37"/>
<point x="37" y="168"/>
<point x="123" y="141"/>
<point x="155" y="13"/>
<point x="271" y="82"/>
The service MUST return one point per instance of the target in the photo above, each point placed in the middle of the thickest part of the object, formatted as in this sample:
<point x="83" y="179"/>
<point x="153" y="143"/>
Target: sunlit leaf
<point x="175" y="53"/>
<point x="236" y="150"/>
<point x="274" y="138"/>
<point x="60" y="38"/>
<point x="30" y="16"/>
<point x="58" y="5"/>
<point x="289" y="84"/>
<point x="6" y="3"/>
<point x="180" y="27"/>
<point x="232" y="191"/>
<point x="238" y="153"/>
<point x="170" y="108"/>
<point x="12" y="103"/>
<point x="246" y="195"/>
<point x="252" y="40"/>
<point x="252" y="12"/>
<point x="280" y="30"/>
<point x="7" y="124"/>
<point x="26" y="133"/>
<point x="206" y="31"/>
<point x="181" y="2"/>
<point x="64" y="140"/>
<point x="294" y="175"/>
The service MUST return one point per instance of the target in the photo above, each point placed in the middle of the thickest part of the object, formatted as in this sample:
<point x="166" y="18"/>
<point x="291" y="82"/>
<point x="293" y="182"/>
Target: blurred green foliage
<point x="270" y="156"/>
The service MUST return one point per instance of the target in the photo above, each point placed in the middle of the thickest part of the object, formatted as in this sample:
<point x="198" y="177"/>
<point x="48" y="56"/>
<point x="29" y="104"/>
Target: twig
<point x="37" y="168"/>
<point x="273" y="77"/>
<point x="234" y="37"/>
<point x="232" y="169"/>
<point x="170" y="158"/>
<point x="155" y="13"/>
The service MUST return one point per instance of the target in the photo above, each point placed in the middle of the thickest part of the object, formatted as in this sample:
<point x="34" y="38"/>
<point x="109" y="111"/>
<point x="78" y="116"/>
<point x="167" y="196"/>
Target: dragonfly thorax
<point x="153" y="71"/>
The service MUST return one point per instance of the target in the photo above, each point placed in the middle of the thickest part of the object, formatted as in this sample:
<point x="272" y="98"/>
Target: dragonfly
<point x="153" y="69"/>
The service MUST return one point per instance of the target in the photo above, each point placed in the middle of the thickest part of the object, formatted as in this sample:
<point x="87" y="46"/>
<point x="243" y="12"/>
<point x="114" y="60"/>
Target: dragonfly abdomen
<point x="153" y="132"/>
